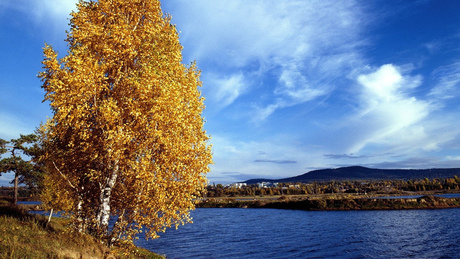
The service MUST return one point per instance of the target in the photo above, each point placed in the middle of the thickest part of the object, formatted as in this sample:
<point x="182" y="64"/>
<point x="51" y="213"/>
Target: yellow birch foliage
<point x="127" y="129"/>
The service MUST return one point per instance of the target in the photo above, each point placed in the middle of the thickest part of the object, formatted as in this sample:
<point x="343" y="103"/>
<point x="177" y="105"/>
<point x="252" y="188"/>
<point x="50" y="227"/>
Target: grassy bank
<point x="23" y="235"/>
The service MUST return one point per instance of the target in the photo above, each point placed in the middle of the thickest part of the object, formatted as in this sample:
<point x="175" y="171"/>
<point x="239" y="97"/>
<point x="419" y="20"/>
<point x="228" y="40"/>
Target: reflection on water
<point x="262" y="233"/>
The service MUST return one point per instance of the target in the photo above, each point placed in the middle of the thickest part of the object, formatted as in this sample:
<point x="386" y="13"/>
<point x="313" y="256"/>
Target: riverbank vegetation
<point x="341" y="188"/>
<point x="336" y="195"/>
<point x="303" y="203"/>
<point x="23" y="235"/>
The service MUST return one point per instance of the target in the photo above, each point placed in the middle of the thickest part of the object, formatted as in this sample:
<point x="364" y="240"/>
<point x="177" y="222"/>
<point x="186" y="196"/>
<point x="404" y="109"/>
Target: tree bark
<point x="80" y="225"/>
<point x="105" y="196"/>
<point x="16" y="181"/>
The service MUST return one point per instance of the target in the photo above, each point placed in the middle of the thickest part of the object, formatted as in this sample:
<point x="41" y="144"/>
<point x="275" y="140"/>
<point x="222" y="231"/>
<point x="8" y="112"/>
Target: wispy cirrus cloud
<point x="274" y="161"/>
<point x="44" y="11"/>
<point x="290" y="51"/>
<point x="340" y="156"/>
<point x="448" y="82"/>
<point x="227" y="88"/>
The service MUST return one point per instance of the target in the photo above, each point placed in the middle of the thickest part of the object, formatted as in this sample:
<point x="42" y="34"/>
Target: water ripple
<point x="270" y="233"/>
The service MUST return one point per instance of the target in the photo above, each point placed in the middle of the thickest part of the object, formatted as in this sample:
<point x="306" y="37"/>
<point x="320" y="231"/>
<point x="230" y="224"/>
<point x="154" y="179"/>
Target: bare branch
<point x="71" y="185"/>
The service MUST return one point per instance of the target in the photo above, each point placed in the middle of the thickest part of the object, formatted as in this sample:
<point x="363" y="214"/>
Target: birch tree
<point x="127" y="136"/>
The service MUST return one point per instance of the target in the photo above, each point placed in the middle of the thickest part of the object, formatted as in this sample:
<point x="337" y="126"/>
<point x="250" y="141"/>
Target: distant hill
<point x="364" y="173"/>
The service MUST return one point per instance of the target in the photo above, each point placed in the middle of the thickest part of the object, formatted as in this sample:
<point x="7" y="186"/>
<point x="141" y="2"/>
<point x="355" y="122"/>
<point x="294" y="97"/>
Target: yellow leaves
<point x="123" y="102"/>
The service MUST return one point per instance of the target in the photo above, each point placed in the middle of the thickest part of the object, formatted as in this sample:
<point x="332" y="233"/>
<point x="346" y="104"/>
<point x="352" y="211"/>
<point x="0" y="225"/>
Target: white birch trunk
<point x="106" y="193"/>
<point x="51" y="214"/>
<point x="79" y="216"/>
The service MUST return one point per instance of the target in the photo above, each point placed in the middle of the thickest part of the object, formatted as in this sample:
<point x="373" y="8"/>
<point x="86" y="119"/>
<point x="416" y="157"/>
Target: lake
<point x="272" y="233"/>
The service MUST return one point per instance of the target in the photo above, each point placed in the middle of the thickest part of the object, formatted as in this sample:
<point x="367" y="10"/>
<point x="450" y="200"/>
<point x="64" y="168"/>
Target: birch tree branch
<point x="71" y="185"/>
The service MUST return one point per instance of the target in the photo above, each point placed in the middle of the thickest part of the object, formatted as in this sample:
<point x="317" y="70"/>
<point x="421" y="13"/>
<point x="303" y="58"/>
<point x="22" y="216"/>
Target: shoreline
<point x="375" y="203"/>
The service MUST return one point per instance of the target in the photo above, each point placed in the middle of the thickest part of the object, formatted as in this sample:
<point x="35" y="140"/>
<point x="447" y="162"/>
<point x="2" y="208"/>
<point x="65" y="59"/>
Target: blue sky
<point x="290" y="86"/>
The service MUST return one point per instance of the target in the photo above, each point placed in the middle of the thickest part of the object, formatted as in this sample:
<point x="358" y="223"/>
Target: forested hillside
<point x="364" y="173"/>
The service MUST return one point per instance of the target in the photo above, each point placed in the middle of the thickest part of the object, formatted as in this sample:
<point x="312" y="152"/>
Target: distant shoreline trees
<point x="338" y="187"/>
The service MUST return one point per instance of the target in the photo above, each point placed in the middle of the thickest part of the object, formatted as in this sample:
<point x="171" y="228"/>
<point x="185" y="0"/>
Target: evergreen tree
<point x="24" y="171"/>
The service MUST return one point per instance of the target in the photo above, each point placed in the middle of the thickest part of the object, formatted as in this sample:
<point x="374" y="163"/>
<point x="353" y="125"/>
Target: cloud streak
<point x="301" y="46"/>
<point x="227" y="89"/>
<point x="44" y="12"/>
<point x="340" y="156"/>
<point x="448" y="81"/>
<point x="275" y="161"/>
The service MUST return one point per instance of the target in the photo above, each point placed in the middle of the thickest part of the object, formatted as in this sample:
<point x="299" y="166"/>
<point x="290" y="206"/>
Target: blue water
<point x="271" y="233"/>
<point x="448" y="195"/>
<point x="30" y="202"/>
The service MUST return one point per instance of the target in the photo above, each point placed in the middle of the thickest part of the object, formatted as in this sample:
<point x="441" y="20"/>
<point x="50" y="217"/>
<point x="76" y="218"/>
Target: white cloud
<point x="50" y="14"/>
<point x="49" y="9"/>
<point x="302" y="45"/>
<point x="383" y="83"/>
<point x="448" y="78"/>
<point x="264" y="112"/>
<point x="388" y="124"/>
<point x="388" y="115"/>
<point x="296" y="86"/>
<point x="226" y="89"/>
<point x="44" y="9"/>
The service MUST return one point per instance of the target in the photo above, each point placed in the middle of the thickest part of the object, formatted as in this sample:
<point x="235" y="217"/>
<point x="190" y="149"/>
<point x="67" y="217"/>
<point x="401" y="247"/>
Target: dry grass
<point x="23" y="235"/>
